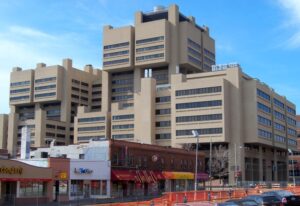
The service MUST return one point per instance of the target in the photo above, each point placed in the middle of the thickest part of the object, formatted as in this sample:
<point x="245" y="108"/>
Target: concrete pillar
<point x="12" y="132"/>
<point x="173" y="17"/>
<point x="106" y="92"/>
<point x="40" y="126"/>
<point x="276" y="166"/>
<point x="260" y="161"/>
<point x="138" y="74"/>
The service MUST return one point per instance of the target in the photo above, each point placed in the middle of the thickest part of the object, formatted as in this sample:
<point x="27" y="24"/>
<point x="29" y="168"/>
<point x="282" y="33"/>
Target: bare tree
<point x="219" y="163"/>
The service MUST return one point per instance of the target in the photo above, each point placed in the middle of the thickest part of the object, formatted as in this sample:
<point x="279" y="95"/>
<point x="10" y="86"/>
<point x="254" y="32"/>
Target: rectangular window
<point x="278" y="103"/>
<point x="191" y="105"/>
<point x="150" y="48"/>
<point x="153" y="39"/>
<point x="114" y="54"/>
<point x="121" y="98"/>
<point x="263" y="95"/>
<point x="198" y="118"/>
<point x="32" y="189"/>
<point x="52" y="86"/>
<point x="91" y="119"/>
<point x="124" y="126"/>
<point x="194" y="60"/>
<point x="76" y="188"/>
<point x="19" y="98"/>
<point x="194" y="44"/>
<point x="122" y="136"/>
<point x="188" y="132"/>
<point x="112" y="46"/>
<point x="163" y="111"/>
<point x="86" y="129"/>
<point x="163" y="99"/>
<point x="16" y="91"/>
<point x="149" y="57"/>
<point x="290" y="110"/>
<point x="122" y="81"/>
<point x="50" y="94"/>
<point x="279" y="138"/>
<point x="123" y="117"/>
<point x="122" y="89"/>
<point x="265" y="134"/>
<point x="279" y="115"/>
<point x="87" y="138"/>
<point x="49" y="79"/>
<point x="279" y="127"/>
<point x="23" y="83"/>
<point x="263" y="107"/>
<point x="163" y="136"/>
<point x="264" y="121"/>
<point x="118" y="61"/>
<point x="163" y="124"/>
<point x="196" y="91"/>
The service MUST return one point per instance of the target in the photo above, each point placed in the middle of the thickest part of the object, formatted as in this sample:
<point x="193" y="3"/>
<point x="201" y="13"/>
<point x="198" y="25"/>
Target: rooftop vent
<point x="159" y="8"/>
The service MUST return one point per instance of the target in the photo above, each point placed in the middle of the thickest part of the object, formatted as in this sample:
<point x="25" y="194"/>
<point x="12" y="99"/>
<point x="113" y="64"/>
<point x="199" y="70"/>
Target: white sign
<point x="89" y="169"/>
<point x="83" y="170"/>
<point x="25" y="143"/>
<point x="220" y="67"/>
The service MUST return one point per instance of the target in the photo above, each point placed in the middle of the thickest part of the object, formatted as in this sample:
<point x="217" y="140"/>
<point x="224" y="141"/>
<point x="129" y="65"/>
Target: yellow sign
<point x="63" y="175"/>
<point x="11" y="170"/>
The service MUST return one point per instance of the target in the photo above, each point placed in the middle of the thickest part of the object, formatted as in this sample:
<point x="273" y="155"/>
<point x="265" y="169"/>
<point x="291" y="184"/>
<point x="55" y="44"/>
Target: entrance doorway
<point x="8" y="191"/>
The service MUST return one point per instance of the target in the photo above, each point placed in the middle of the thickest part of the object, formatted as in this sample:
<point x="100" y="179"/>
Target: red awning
<point x="125" y="175"/>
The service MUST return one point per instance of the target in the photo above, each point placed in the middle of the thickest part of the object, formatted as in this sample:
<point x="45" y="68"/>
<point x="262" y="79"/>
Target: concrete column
<point x="106" y="92"/>
<point x="276" y="166"/>
<point x="40" y="126"/>
<point x="138" y="75"/>
<point x="12" y="132"/>
<point x="260" y="161"/>
<point x="173" y="17"/>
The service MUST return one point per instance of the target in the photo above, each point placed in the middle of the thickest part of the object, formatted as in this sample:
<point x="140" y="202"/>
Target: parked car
<point x="241" y="202"/>
<point x="286" y="197"/>
<point x="265" y="200"/>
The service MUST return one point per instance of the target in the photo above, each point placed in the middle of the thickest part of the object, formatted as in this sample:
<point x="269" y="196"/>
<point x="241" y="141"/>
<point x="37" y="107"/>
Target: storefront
<point x="89" y="179"/>
<point x="23" y="184"/>
<point x="136" y="183"/>
<point x="178" y="181"/>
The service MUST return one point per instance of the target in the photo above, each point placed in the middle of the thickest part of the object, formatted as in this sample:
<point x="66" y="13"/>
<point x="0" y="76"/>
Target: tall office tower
<point x="46" y="98"/>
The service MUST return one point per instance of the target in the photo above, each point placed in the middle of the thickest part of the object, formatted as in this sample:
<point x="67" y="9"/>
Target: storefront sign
<point x="83" y="171"/>
<point x="11" y="170"/>
<point x="63" y="175"/>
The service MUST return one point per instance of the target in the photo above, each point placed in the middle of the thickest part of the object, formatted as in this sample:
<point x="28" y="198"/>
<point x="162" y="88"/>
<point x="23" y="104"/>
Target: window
<point x="122" y="136"/>
<point x="86" y="129"/>
<point x="163" y="136"/>
<point x="114" y="54"/>
<point x="278" y="103"/>
<point x="264" y="121"/>
<point x="52" y="86"/>
<point x="49" y="79"/>
<point x="279" y="115"/>
<point x="264" y="134"/>
<point x="97" y="85"/>
<point x="91" y="119"/>
<point x="279" y="138"/>
<point x="32" y="189"/>
<point x="148" y="57"/>
<point x="163" y="124"/>
<point x="50" y="94"/>
<point x="209" y="53"/>
<point x="153" y="39"/>
<point x="198" y="118"/>
<point x="19" y="98"/>
<point x="122" y="89"/>
<point x="122" y="117"/>
<point x="87" y="138"/>
<point x="112" y="46"/>
<point x="191" y="105"/>
<point x="188" y="132"/>
<point x="118" y="61"/>
<point x="292" y="142"/>
<point x="291" y="121"/>
<point x="292" y="132"/>
<point x="49" y="126"/>
<point x="195" y="91"/>
<point x="263" y="95"/>
<point x="23" y="83"/>
<point x="124" y="126"/>
<point x="194" y="52"/>
<point x="163" y="99"/>
<point x="120" y="98"/>
<point x="279" y="126"/>
<point x="290" y="110"/>
<point x="150" y="48"/>
<point x="53" y="113"/>
<point x="16" y="91"/>
<point x="76" y="187"/>
<point x="194" y="44"/>
<point x="194" y="60"/>
<point x="163" y="111"/>
<point x="122" y="81"/>
<point x="61" y="128"/>
<point x="263" y="107"/>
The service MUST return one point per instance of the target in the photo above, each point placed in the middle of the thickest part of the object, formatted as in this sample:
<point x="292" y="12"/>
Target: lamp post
<point x="291" y="152"/>
<point x="196" y="134"/>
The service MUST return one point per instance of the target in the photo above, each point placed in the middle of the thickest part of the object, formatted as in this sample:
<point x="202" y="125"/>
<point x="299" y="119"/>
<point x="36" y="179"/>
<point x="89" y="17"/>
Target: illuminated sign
<point x="11" y="170"/>
<point x="83" y="171"/>
<point x="63" y="175"/>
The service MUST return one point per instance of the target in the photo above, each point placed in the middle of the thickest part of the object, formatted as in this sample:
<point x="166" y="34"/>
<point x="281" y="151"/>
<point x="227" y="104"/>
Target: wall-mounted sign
<point x="220" y="67"/>
<point x="83" y="171"/>
<point x="63" y="175"/>
<point x="11" y="170"/>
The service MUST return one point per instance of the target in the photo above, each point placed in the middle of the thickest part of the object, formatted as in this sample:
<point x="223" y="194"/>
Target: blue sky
<point x="262" y="35"/>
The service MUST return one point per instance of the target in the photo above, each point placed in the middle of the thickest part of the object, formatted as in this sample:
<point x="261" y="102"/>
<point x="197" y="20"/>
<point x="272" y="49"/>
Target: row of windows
<point x="96" y="92"/>
<point x="198" y="118"/>
<point x="122" y="81"/>
<point x="263" y="95"/>
<point x="50" y="126"/>
<point x="122" y="136"/>
<point x="112" y="46"/>
<point x="291" y="110"/>
<point x="16" y="91"/>
<point x="86" y="138"/>
<point x="122" y="117"/>
<point x="123" y="97"/>
<point x="53" y="113"/>
<point x="153" y="39"/>
<point x="209" y="53"/>
<point x="264" y="134"/>
<point x="163" y="111"/>
<point x="97" y="85"/>
<point x="45" y="87"/>
<point x="188" y="132"/>
<point x="292" y="142"/>
<point x="163" y="124"/>
<point x="78" y="82"/>
<point x="204" y="90"/>
<point x="118" y="61"/>
<point x="150" y="48"/>
<point x="264" y="121"/>
<point x="50" y="94"/>
<point x="19" y="98"/>
<point x="122" y="89"/>
<point x="209" y="61"/>
<point x="48" y="79"/>
<point x="194" y="60"/>
<point x="113" y="54"/>
<point x="194" y="52"/>
<point x="278" y="103"/>
<point x="292" y="132"/>
<point x="263" y="107"/>
<point x="191" y="105"/>
<point x="23" y="83"/>
<point x="125" y="73"/>
<point x="291" y="121"/>
<point x="206" y="67"/>
<point x="279" y="126"/>
<point x="163" y="99"/>
<point x="151" y="56"/>
<point x="279" y="115"/>
<point x="91" y="119"/>
<point x="123" y="126"/>
<point x="279" y="138"/>
<point x="194" y="44"/>
<point x="85" y="129"/>
<point x="163" y="136"/>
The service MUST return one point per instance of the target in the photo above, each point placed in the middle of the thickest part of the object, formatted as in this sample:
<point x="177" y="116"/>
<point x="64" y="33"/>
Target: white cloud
<point x="29" y="32"/>
<point x="292" y="7"/>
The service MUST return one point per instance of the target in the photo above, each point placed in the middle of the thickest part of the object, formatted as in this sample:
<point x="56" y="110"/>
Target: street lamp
<point x="291" y="152"/>
<point x="196" y="134"/>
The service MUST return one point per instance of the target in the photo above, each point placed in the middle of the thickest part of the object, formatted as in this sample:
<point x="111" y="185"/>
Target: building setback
<point x="158" y="83"/>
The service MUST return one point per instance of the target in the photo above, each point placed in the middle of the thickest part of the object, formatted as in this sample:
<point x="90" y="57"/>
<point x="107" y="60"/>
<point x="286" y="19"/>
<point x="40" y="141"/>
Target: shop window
<point x="103" y="187"/>
<point x="32" y="189"/>
<point x="76" y="187"/>
<point x="63" y="187"/>
<point x="95" y="187"/>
